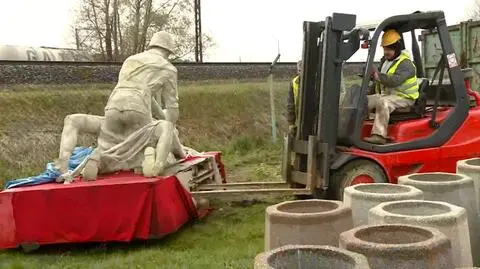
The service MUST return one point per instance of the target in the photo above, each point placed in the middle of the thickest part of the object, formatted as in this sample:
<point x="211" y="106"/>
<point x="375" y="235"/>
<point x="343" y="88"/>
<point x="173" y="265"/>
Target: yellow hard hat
<point x="390" y="37"/>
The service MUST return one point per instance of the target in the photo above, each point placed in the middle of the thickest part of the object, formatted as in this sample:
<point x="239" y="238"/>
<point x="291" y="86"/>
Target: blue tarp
<point x="51" y="173"/>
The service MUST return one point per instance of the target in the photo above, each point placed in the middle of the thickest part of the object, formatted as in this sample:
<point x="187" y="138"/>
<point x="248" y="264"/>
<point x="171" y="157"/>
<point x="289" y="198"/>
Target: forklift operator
<point x="395" y="85"/>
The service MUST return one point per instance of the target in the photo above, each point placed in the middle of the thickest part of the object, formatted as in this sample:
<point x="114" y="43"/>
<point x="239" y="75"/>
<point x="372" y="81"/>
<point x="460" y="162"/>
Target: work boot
<point x="376" y="139"/>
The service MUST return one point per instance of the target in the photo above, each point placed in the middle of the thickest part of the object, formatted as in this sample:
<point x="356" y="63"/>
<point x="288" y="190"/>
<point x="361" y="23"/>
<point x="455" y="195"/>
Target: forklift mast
<point x="326" y="46"/>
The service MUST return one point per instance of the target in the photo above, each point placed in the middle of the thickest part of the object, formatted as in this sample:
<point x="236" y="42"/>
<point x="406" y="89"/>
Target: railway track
<point x="60" y="72"/>
<point x="4" y="62"/>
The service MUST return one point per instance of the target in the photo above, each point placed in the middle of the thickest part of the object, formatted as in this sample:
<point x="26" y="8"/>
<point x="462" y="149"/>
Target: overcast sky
<point x="242" y="29"/>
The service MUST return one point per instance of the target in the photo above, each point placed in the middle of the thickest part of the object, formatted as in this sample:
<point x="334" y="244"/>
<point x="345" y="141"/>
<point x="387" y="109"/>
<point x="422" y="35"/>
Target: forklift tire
<point x="355" y="172"/>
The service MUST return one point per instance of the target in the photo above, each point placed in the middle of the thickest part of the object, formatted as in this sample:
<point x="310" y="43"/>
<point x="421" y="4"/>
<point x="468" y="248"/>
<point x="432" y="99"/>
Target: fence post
<point x="272" y="100"/>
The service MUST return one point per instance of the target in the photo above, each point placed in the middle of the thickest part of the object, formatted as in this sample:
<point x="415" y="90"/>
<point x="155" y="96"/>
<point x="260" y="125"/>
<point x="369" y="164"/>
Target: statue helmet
<point x="162" y="39"/>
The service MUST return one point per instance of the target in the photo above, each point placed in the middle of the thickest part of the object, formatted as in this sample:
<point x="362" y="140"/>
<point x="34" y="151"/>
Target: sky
<point x="243" y="30"/>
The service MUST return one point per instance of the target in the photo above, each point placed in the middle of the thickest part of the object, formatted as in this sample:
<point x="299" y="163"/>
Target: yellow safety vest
<point x="296" y="86"/>
<point x="409" y="88"/>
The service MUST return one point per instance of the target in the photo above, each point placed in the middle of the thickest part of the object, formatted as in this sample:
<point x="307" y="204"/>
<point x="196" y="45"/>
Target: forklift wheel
<point x="355" y="172"/>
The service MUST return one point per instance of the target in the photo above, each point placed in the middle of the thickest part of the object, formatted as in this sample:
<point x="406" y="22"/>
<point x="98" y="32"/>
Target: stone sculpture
<point x="158" y="133"/>
<point x="128" y="135"/>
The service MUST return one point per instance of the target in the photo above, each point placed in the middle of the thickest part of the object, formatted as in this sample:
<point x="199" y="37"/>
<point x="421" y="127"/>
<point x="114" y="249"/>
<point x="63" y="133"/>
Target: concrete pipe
<point x="361" y="197"/>
<point x="399" y="246"/>
<point x="471" y="168"/>
<point x="310" y="256"/>
<point x="306" y="222"/>
<point x="456" y="189"/>
<point x="449" y="219"/>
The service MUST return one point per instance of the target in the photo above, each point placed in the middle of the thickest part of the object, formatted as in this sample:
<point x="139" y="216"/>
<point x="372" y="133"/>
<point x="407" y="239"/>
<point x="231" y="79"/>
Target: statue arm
<point x="74" y="124"/>
<point x="157" y="110"/>
<point x="170" y="97"/>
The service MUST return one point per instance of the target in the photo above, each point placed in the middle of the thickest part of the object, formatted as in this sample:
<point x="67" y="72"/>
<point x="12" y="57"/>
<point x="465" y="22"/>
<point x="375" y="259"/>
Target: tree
<point x="115" y="29"/>
<point x="475" y="11"/>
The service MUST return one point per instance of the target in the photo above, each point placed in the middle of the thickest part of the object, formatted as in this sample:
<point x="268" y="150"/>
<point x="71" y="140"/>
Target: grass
<point x="229" y="238"/>
<point x="233" y="117"/>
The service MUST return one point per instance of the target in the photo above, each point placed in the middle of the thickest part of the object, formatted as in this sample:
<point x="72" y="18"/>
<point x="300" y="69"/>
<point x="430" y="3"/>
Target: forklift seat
<point x="417" y="110"/>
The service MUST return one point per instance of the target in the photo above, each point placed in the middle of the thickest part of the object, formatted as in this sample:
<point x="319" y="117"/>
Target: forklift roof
<point x="408" y="22"/>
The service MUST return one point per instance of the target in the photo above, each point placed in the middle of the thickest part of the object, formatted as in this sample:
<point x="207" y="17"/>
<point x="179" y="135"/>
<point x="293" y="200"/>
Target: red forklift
<point x="442" y="127"/>
<point x="328" y="151"/>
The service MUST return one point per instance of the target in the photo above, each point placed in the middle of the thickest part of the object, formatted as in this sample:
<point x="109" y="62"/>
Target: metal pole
<point x="198" y="32"/>
<point x="272" y="100"/>
<point x="77" y="39"/>
<point x="272" y="108"/>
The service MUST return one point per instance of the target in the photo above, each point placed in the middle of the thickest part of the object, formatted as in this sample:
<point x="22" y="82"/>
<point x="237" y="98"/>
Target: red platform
<point x="118" y="207"/>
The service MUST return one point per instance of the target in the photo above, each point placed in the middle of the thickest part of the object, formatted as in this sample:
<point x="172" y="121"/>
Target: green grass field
<point x="233" y="117"/>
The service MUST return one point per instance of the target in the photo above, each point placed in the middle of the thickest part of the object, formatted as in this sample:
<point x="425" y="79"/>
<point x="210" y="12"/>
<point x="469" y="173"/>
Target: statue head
<point x="162" y="40"/>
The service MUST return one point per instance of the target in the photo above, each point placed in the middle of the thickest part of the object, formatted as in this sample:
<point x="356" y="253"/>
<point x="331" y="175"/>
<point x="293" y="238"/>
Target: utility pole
<point x="198" y="32"/>
<point x="77" y="38"/>
<point x="272" y="99"/>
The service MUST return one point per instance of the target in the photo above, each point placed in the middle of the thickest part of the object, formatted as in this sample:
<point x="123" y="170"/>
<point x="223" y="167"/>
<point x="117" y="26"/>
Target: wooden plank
<point x="178" y="167"/>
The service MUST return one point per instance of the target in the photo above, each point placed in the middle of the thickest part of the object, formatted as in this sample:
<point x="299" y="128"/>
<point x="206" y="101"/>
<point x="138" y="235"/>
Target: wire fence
<point x="31" y="122"/>
<point x="32" y="117"/>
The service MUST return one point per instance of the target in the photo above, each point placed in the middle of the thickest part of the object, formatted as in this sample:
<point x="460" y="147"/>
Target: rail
<point x="69" y="63"/>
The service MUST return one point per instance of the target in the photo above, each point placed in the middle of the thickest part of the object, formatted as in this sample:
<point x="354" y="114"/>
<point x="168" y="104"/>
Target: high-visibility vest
<point x="296" y="86"/>
<point x="409" y="88"/>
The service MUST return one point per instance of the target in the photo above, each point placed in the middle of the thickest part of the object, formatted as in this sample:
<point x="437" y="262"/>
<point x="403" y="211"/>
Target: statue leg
<point x="74" y="124"/>
<point x="177" y="147"/>
<point x="154" y="159"/>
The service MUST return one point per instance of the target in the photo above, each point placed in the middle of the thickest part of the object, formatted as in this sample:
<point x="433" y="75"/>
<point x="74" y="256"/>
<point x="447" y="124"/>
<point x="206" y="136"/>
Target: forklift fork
<point x="242" y="190"/>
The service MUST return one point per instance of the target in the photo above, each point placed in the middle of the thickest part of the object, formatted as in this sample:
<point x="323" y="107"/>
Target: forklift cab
<point x="427" y="117"/>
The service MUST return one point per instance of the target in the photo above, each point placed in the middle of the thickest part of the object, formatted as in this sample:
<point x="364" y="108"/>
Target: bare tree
<point x="115" y="29"/>
<point x="474" y="13"/>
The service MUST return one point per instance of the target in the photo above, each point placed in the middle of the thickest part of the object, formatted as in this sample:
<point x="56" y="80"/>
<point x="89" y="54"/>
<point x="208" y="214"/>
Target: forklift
<point x="328" y="151"/>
